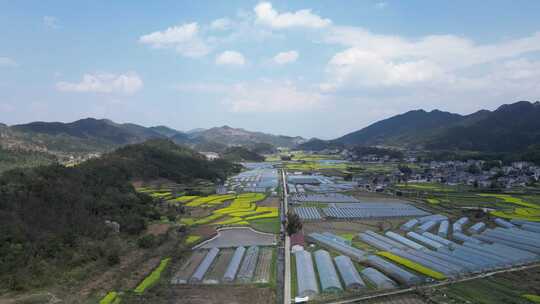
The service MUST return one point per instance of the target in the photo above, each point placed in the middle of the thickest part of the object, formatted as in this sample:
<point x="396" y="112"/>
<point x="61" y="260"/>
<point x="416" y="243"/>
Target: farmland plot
<point x="263" y="270"/>
<point x="187" y="269"/>
<point x="215" y="274"/>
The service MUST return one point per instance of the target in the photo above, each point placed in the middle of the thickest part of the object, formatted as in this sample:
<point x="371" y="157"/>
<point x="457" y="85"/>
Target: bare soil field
<point x="269" y="202"/>
<point x="399" y="299"/>
<point x="263" y="269"/>
<point x="221" y="294"/>
<point x="188" y="268"/>
<point x="157" y="229"/>
<point x="216" y="272"/>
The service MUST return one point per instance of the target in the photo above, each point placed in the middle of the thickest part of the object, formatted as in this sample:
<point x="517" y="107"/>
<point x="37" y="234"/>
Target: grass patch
<point x="270" y="225"/>
<point x="532" y="298"/>
<point x="433" y="201"/>
<point x="153" y="278"/>
<point x="191" y="239"/>
<point x="348" y="236"/>
<point x="111" y="298"/>
<point x="188" y="221"/>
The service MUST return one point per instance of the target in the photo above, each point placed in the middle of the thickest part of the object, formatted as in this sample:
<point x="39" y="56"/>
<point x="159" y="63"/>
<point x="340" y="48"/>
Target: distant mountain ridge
<point x="400" y="128"/>
<point x="236" y="136"/>
<point x="101" y="135"/>
<point x="509" y="128"/>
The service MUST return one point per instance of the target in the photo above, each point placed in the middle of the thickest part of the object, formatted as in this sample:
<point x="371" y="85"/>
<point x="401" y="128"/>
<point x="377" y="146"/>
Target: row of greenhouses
<point x="227" y="265"/>
<point x="416" y="256"/>
<point x="330" y="270"/>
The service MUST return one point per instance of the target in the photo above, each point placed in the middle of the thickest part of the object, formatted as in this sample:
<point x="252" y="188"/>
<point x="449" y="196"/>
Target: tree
<point x="294" y="224"/>
<point x="406" y="170"/>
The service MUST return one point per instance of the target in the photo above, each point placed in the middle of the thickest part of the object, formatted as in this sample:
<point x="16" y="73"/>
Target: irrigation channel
<point x="434" y="285"/>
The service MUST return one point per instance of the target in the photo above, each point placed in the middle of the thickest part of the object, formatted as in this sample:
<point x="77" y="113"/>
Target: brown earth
<point x="221" y="294"/>
<point x="157" y="229"/>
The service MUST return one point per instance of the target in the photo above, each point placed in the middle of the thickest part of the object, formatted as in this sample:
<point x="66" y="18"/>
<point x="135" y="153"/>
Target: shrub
<point x="146" y="241"/>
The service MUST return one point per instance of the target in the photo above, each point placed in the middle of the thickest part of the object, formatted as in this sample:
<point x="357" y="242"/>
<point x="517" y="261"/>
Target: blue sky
<point x="309" y="68"/>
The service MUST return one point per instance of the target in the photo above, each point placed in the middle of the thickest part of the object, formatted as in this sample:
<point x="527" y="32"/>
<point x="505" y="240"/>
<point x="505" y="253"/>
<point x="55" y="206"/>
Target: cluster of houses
<point x="474" y="173"/>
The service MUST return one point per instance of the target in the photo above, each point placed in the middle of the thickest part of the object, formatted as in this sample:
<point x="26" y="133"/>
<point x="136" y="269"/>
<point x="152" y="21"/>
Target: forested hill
<point x="52" y="217"/>
<point x="511" y="128"/>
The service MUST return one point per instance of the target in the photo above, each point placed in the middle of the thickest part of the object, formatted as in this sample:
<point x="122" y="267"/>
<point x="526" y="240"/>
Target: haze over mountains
<point x="507" y="129"/>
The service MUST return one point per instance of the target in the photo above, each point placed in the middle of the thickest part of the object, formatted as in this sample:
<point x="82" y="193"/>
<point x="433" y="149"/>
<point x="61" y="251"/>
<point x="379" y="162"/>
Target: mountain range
<point x="509" y="128"/>
<point x="101" y="135"/>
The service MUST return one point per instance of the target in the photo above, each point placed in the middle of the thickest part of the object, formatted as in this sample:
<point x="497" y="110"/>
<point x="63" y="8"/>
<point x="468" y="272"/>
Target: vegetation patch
<point x="111" y="298"/>
<point x="188" y="221"/>
<point x="269" y="225"/>
<point x="153" y="278"/>
<point x="191" y="239"/>
<point x="208" y="219"/>
<point x="183" y="199"/>
<point x="510" y="199"/>
<point x="433" y="201"/>
<point x="413" y="265"/>
<point x="426" y="187"/>
<point x="348" y="236"/>
<point x="216" y="199"/>
<point x="532" y="298"/>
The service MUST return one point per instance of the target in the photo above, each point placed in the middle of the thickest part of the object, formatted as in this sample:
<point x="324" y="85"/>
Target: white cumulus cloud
<point x="271" y="97"/>
<point x="286" y="57"/>
<point x="127" y="83"/>
<point x="372" y="60"/>
<point x="267" y="15"/>
<point x="230" y="58"/>
<point x="184" y="39"/>
<point x="221" y="24"/>
<point x="51" y="22"/>
<point x="7" y="62"/>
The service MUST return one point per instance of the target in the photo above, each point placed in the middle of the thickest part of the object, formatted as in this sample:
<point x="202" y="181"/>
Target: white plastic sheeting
<point x="443" y="229"/>
<point x="393" y="271"/>
<point x="503" y="223"/>
<point x="248" y="265"/>
<point x="350" y="276"/>
<point x="327" y="272"/>
<point x="409" y="225"/>
<point x="234" y="264"/>
<point x="427" y="226"/>
<point x="307" y="213"/>
<point x="403" y="240"/>
<point x="348" y="250"/>
<point x="378" y="279"/>
<point x="305" y="274"/>
<point x="434" y="217"/>
<point x="198" y="275"/>
<point x="424" y="240"/>
<point x="477" y="228"/>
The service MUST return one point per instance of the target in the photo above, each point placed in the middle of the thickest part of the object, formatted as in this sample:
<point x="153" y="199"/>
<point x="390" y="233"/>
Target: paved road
<point x="287" y="275"/>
